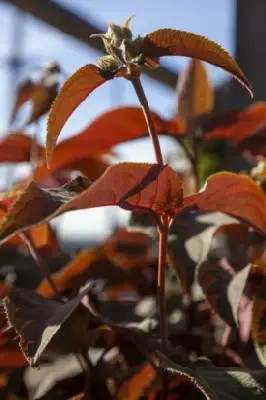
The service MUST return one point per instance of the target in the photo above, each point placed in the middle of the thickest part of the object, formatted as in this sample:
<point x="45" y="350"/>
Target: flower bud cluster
<point x="122" y="49"/>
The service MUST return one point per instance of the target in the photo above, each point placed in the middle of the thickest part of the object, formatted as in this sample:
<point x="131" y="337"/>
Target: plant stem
<point x="163" y="232"/>
<point x="196" y="160"/>
<point x="35" y="255"/>
<point x="146" y="111"/>
<point x="188" y="154"/>
<point x="162" y="226"/>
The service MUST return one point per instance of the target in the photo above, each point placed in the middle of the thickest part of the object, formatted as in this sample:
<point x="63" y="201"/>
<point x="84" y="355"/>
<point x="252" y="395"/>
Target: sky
<point x="42" y="44"/>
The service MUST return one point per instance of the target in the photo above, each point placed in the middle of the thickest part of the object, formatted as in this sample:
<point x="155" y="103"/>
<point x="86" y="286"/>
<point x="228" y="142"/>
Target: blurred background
<point x="34" y="33"/>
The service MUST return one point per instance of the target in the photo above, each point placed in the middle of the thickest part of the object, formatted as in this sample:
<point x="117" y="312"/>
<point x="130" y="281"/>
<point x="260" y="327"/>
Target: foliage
<point x="171" y="306"/>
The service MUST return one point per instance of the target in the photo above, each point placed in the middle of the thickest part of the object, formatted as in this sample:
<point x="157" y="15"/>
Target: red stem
<point x="146" y="111"/>
<point x="163" y="232"/>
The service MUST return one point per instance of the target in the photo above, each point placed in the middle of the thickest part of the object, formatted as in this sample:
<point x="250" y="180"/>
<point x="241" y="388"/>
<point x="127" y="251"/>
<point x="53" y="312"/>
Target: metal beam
<point x="72" y="24"/>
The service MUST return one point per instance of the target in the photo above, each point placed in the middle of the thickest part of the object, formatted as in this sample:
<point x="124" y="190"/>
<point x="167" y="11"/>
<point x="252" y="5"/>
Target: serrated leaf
<point x="195" y="94"/>
<point x="171" y="42"/>
<point x="75" y="90"/>
<point x="37" y="319"/>
<point x="128" y="185"/>
<point x="232" y="194"/>
<point x="218" y="383"/>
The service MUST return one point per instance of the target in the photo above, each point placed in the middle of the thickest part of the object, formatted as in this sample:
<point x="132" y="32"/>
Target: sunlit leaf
<point x="135" y="387"/>
<point x="94" y="265"/>
<point x="92" y="167"/>
<point x="195" y="94"/>
<point x="16" y="147"/>
<point x="46" y="202"/>
<point x="236" y="125"/>
<point x="128" y="185"/>
<point x="41" y="382"/>
<point x="171" y="42"/>
<point x="109" y="129"/>
<point x="81" y="396"/>
<point x="75" y="90"/>
<point x="44" y="238"/>
<point x="233" y="194"/>
<point x="255" y="143"/>
<point x="65" y="278"/>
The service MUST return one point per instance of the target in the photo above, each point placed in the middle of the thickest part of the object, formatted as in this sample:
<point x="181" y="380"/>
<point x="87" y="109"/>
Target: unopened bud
<point x="131" y="50"/>
<point x="108" y="63"/>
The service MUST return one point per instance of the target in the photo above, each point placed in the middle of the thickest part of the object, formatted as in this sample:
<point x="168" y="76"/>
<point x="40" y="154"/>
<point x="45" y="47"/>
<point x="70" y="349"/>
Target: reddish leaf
<point x="24" y="93"/>
<point x="171" y="42"/>
<point x="233" y="194"/>
<point x="137" y="385"/>
<point x="44" y="238"/>
<point x="128" y="249"/>
<point x="41" y="94"/>
<point x="81" y="396"/>
<point x="128" y="185"/>
<point x="16" y="147"/>
<point x="239" y="124"/>
<point x="94" y="265"/>
<point x="47" y="201"/>
<point x="255" y="143"/>
<point x="65" y="278"/>
<point x="42" y="99"/>
<point x="10" y="355"/>
<point x="195" y="94"/>
<point x="37" y="329"/>
<point x="92" y="167"/>
<point x="111" y="128"/>
<point x="75" y="90"/>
